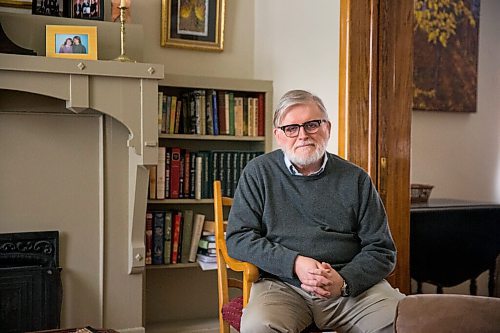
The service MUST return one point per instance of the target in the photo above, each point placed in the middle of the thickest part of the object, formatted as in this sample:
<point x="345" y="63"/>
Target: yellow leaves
<point x="438" y="18"/>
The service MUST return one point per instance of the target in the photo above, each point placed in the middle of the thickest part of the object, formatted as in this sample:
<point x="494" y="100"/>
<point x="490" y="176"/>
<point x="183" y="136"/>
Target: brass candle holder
<point x="122" y="57"/>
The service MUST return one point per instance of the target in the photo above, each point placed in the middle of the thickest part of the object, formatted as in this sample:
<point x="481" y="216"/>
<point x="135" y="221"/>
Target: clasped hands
<point x="317" y="277"/>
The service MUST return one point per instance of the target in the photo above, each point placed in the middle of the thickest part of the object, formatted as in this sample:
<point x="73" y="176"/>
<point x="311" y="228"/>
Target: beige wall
<point x="460" y="153"/>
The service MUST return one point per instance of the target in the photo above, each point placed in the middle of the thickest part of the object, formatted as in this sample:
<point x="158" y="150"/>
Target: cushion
<point x="231" y="312"/>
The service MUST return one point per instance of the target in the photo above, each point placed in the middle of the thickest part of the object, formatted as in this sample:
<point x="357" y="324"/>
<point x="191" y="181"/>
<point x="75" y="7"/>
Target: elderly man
<point x="316" y="228"/>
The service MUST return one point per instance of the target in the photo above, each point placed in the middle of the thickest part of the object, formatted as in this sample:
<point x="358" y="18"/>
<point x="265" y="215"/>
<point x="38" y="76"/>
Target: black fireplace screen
<point x="30" y="281"/>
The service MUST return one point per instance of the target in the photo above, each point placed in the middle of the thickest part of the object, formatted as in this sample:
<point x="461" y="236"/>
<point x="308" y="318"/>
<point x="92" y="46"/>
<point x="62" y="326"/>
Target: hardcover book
<point x="198" y="221"/>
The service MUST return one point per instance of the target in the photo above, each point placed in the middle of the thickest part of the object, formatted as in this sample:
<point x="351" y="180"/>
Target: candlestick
<point x="122" y="56"/>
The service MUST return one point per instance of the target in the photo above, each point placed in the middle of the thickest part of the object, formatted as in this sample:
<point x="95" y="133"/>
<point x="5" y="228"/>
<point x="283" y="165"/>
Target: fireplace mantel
<point x="125" y="91"/>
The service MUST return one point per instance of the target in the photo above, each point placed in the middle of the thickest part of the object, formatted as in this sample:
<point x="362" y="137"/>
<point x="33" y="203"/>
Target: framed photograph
<point x="194" y="24"/>
<point x="73" y="42"/>
<point x="50" y="7"/>
<point x="87" y="9"/>
<point x="445" y="59"/>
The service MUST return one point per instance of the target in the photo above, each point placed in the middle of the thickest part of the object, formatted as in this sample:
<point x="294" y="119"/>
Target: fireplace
<point x="30" y="281"/>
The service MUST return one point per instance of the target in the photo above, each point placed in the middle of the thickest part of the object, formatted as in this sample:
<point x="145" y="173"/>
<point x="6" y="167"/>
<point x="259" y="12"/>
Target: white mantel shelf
<point x="125" y="91"/>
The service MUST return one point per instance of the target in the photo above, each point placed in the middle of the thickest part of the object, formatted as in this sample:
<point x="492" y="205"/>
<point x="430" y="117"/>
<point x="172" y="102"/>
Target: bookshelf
<point x="183" y="297"/>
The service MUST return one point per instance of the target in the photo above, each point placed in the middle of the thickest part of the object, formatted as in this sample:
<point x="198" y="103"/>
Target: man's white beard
<point x="305" y="160"/>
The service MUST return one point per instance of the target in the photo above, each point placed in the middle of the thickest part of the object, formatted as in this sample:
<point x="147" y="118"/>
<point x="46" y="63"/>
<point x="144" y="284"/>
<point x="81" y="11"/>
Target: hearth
<point x="30" y="281"/>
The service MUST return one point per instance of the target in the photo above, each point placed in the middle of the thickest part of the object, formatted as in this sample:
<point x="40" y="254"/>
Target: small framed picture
<point x="194" y="24"/>
<point x="87" y="9"/>
<point x="50" y="7"/>
<point x="73" y="42"/>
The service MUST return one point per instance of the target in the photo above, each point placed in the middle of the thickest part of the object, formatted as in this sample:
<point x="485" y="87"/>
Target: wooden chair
<point x="229" y="309"/>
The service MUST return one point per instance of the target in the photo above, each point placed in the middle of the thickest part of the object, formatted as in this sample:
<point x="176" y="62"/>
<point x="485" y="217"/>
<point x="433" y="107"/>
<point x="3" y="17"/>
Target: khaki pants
<point x="275" y="306"/>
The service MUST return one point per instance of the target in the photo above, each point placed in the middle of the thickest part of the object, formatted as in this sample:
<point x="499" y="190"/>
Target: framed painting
<point x="445" y="43"/>
<point x="72" y="42"/>
<point x="194" y="24"/>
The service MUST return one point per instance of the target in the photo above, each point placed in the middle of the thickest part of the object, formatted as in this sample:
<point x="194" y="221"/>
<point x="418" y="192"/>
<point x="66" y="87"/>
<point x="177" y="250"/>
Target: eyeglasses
<point x="311" y="127"/>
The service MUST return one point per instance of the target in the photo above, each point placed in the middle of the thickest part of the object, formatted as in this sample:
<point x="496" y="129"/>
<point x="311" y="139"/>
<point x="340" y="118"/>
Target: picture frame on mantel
<point x="193" y="24"/>
<point x="445" y="59"/>
<point x="72" y="42"/>
<point x="58" y="8"/>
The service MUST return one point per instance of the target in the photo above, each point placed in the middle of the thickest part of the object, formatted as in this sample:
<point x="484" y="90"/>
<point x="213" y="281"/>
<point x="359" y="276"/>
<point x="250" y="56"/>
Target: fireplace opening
<point x="30" y="281"/>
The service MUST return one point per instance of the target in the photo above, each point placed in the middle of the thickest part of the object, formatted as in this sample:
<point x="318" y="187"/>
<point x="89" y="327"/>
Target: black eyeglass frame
<point x="304" y="125"/>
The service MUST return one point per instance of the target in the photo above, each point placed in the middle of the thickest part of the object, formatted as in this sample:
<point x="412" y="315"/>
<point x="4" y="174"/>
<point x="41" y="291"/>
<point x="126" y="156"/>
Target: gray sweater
<point x="335" y="216"/>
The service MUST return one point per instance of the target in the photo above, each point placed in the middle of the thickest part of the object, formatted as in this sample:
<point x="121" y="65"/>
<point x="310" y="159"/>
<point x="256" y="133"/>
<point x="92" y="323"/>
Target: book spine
<point x="160" y="174"/>
<point x="261" y="109"/>
<point x="160" y="111"/>
<point x="238" y="116"/>
<point x="178" y="114"/>
<point x="187" y="174"/>
<point x="215" y="110"/>
<point x="152" y="181"/>
<point x="176" y="234"/>
<point x="168" y="159"/>
<point x="158" y="230"/>
<point x="198" y="222"/>
<point x="221" y="99"/>
<point x="187" y="229"/>
<point x="230" y="102"/>
<point x="149" y="238"/>
<point x="167" y="244"/>
<point x="173" y="111"/>
<point x="198" y="176"/>
<point x="175" y="168"/>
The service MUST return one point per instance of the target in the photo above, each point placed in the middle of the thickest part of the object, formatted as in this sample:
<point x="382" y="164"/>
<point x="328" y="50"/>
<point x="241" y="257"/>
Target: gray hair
<point x="296" y="97"/>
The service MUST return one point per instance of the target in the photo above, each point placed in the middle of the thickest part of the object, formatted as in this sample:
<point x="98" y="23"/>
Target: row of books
<point x="185" y="174"/>
<point x="175" y="236"/>
<point x="211" y="112"/>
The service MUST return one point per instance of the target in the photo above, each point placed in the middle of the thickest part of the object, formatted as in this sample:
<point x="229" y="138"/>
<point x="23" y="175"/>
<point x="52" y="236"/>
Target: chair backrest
<point x="250" y="273"/>
<point x="447" y="313"/>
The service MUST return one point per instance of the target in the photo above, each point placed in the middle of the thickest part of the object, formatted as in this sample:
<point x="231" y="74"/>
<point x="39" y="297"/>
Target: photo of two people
<point x="72" y="43"/>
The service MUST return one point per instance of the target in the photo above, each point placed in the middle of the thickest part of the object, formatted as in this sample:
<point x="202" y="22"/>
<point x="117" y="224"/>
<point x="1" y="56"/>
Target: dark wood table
<point x="452" y="241"/>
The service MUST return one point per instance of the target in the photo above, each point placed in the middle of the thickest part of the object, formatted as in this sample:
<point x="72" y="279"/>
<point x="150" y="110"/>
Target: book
<point x="187" y="173"/>
<point x="149" y="238"/>
<point x="221" y="108"/>
<point x="160" y="110"/>
<point x="173" y="111"/>
<point x="261" y="110"/>
<point x="160" y="174"/>
<point x="158" y="229"/>
<point x="215" y="111"/>
<point x="206" y="244"/>
<point x="167" y="243"/>
<point x="176" y="234"/>
<point x="238" y="116"/>
<point x="175" y="169"/>
<point x="198" y="177"/>
<point x="187" y="230"/>
<point x="206" y="258"/>
<point x="209" y="113"/>
<point x="152" y="181"/>
<point x="198" y="221"/>
<point x="230" y="112"/>
<point x="168" y="158"/>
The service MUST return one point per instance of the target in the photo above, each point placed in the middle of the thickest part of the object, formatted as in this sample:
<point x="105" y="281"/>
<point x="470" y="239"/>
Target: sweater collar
<point x="293" y="170"/>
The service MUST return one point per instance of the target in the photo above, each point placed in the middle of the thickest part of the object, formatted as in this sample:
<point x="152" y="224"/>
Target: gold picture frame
<point x="83" y="44"/>
<point x="193" y="24"/>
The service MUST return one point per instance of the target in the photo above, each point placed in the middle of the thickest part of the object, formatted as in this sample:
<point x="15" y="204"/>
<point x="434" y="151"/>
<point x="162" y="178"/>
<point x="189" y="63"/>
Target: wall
<point x="460" y="153"/>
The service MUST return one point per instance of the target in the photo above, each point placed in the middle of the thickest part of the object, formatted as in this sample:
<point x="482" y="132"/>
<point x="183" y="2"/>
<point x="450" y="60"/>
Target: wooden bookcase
<point x="183" y="297"/>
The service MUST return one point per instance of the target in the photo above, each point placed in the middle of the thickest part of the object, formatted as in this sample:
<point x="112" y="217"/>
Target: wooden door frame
<point x="375" y="107"/>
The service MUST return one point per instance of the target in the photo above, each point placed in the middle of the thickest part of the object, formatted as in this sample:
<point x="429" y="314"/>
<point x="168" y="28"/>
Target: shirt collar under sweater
<point x="296" y="172"/>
